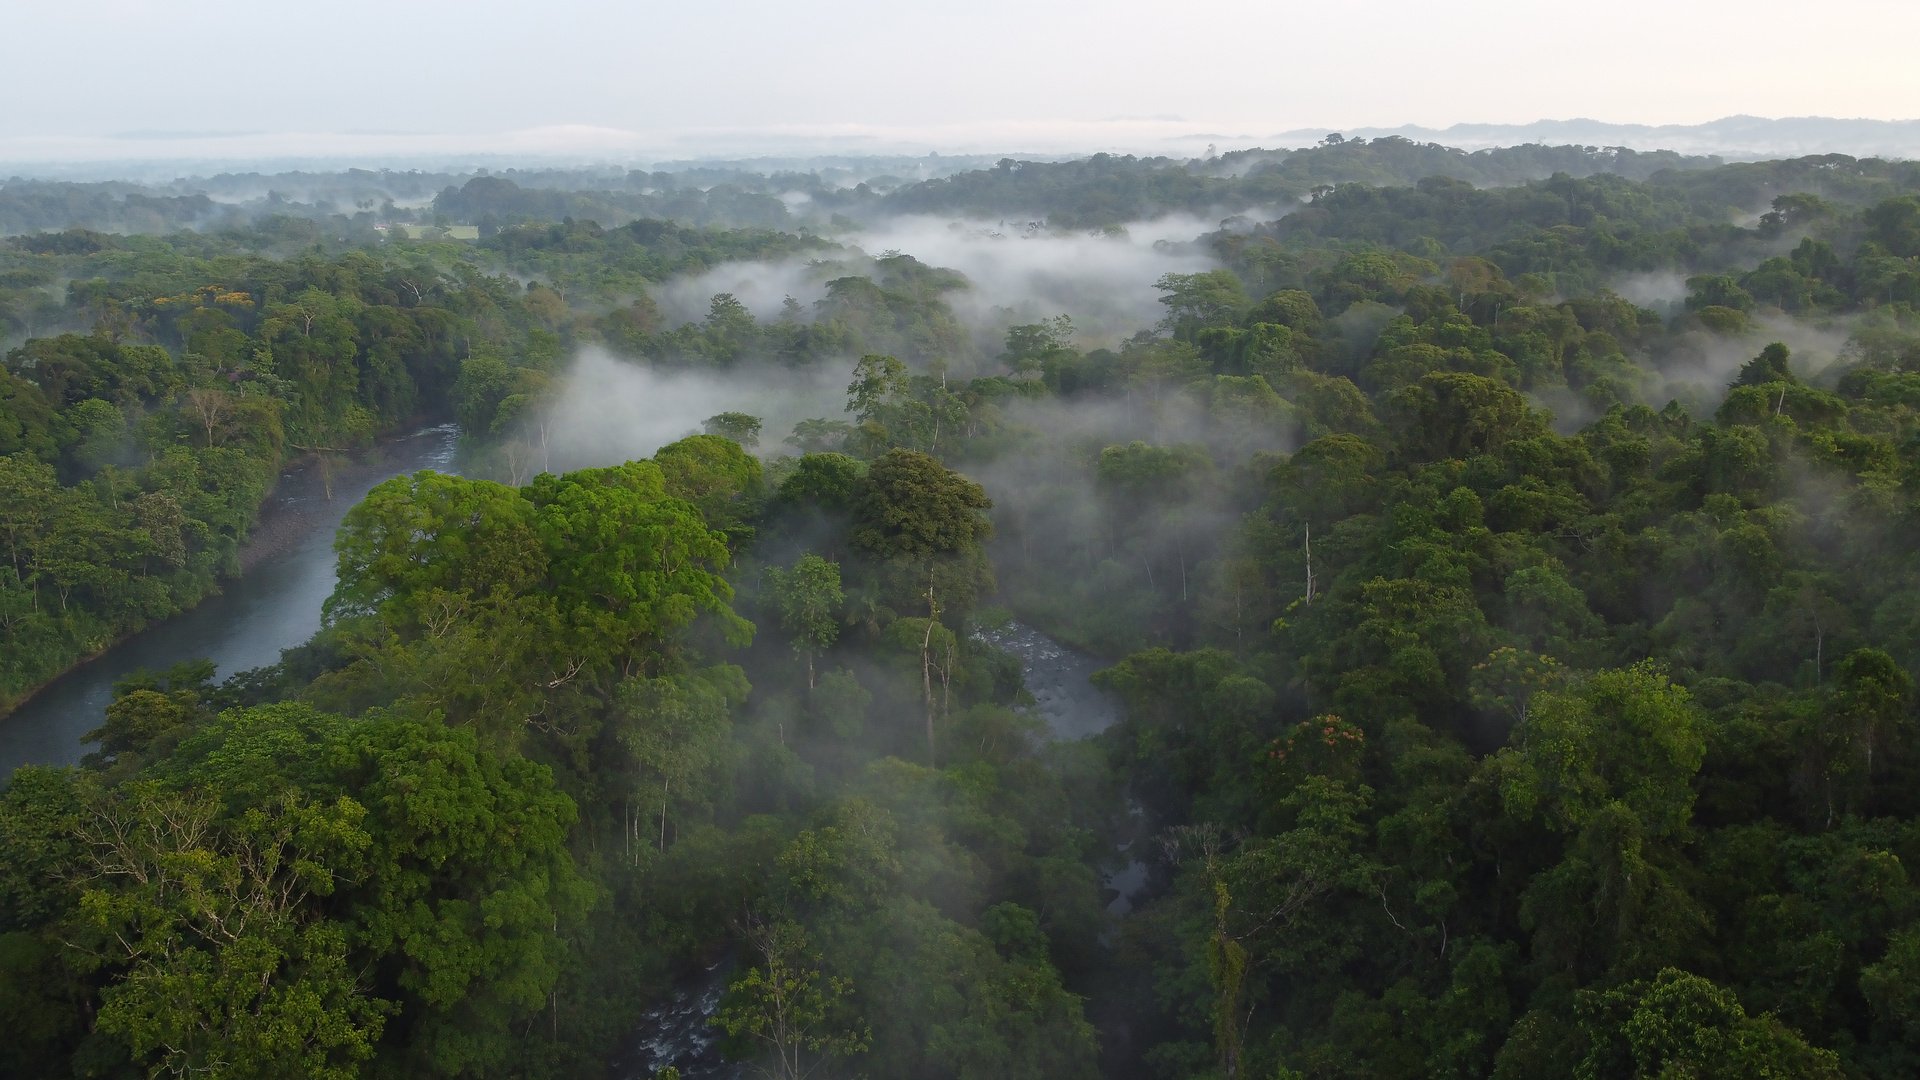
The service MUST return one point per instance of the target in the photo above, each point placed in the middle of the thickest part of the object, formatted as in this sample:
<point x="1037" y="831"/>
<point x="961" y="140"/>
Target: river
<point x="1057" y="677"/>
<point x="274" y="604"/>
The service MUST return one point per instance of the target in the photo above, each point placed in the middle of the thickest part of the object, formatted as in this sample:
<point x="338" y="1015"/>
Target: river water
<point x="1057" y="677"/>
<point x="273" y="605"/>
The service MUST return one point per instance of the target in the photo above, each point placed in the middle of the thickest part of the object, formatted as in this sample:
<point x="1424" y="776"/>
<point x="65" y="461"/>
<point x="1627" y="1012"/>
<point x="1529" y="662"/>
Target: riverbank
<point x="287" y="565"/>
<point x="295" y="506"/>
<point x="289" y="511"/>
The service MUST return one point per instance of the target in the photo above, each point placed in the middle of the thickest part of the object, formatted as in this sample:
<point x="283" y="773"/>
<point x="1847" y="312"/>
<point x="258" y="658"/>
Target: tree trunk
<point x="926" y="684"/>
<point x="665" y="785"/>
<point x="926" y="668"/>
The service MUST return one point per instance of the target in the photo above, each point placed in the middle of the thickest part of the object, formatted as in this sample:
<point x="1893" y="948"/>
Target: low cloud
<point x="1020" y="272"/>
<point x="613" y="410"/>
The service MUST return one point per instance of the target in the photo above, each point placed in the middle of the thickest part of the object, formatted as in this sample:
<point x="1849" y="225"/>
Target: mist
<point x="1104" y="533"/>
<point x="611" y="410"/>
<point x="1023" y="272"/>
<point x="1699" y="365"/>
<point x="1664" y="291"/>
<point x="1018" y="272"/>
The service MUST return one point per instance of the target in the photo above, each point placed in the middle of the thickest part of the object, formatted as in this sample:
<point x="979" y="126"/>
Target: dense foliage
<point x="1104" y="188"/>
<point x="1513" y="681"/>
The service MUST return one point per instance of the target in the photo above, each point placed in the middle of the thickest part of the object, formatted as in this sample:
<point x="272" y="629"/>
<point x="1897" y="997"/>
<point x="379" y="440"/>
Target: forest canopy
<point x="1502" y="569"/>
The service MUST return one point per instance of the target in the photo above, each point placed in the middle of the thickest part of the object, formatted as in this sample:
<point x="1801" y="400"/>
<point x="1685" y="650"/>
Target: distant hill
<point x="1746" y="138"/>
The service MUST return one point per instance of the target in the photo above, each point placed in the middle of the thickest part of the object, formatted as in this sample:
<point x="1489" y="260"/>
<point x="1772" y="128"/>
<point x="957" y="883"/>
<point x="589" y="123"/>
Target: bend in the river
<point x="274" y="605"/>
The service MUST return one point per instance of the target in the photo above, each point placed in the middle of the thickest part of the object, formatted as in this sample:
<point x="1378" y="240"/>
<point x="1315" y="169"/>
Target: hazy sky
<point x="984" y="75"/>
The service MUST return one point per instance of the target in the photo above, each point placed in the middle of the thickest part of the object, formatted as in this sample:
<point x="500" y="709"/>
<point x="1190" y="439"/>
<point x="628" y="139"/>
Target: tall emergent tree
<point x="808" y="598"/>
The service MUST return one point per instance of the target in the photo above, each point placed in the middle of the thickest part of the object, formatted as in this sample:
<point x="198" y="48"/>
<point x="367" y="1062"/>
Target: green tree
<point x="1456" y="415"/>
<point x="550" y="589"/>
<point x="1683" y="1025"/>
<point x="925" y="526"/>
<point x="1769" y="367"/>
<point x="892" y="408"/>
<point x="808" y="598"/>
<point x="1194" y="301"/>
<point x="1892" y="986"/>
<point x="911" y="506"/>
<point x="1868" y="713"/>
<point x="1036" y="347"/>
<point x="784" y="1004"/>
<point x="738" y="426"/>
<point x="1630" y="737"/>
<point x="225" y="967"/>
<point x="674" y="728"/>
<point x="1611" y="762"/>
<point x="452" y="899"/>
<point x="718" y="477"/>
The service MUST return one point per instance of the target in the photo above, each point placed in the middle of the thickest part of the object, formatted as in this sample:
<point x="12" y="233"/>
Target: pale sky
<point x="842" y="74"/>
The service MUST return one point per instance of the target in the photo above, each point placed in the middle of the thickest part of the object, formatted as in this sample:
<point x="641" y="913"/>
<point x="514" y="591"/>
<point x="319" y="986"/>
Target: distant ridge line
<point x="1733" y="137"/>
